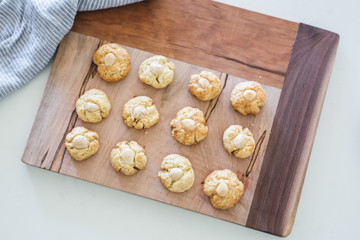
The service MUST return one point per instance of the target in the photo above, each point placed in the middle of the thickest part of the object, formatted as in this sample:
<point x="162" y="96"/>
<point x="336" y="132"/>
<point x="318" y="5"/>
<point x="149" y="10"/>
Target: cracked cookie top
<point x="128" y="157"/>
<point x="239" y="141"/>
<point x="156" y="71"/>
<point x="248" y="97"/>
<point x="93" y="106"/>
<point x="224" y="188"/>
<point x="177" y="174"/>
<point x="113" y="62"/>
<point x="82" y="143"/>
<point x="188" y="127"/>
<point x="140" y="112"/>
<point x="205" y="86"/>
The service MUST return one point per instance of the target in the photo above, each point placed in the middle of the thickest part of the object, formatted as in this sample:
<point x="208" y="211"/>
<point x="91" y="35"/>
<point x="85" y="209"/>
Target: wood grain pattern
<point x="282" y="174"/>
<point x="55" y="117"/>
<point x="202" y="32"/>
<point x="46" y="149"/>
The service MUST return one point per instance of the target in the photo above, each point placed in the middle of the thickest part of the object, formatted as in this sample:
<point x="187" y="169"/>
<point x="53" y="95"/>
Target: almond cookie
<point x="140" y="112"/>
<point x="189" y="126"/>
<point x="128" y="157"/>
<point x="93" y="106"/>
<point x="82" y="143"/>
<point x="239" y="141"/>
<point x="157" y="71"/>
<point x="205" y="86"/>
<point x="177" y="174"/>
<point x="248" y="97"/>
<point x="113" y="62"/>
<point x="224" y="188"/>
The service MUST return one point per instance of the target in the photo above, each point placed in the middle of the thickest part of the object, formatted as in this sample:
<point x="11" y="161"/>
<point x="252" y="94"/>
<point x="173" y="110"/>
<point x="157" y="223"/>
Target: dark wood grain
<point x="201" y="32"/>
<point x="284" y="166"/>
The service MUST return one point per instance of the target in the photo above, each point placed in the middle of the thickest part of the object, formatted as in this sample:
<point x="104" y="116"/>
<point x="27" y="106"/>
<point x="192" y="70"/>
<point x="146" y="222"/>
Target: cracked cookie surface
<point x="140" y="112"/>
<point x="248" y="97"/>
<point x="93" y="106"/>
<point x="224" y="188"/>
<point x="82" y="143"/>
<point x="205" y="86"/>
<point x="239" y="141"/>
<point x="113" y="62"/>
<point x="177" y="174"/>
<point x="156" y="71"/>
<point x="188" y="127"/>
<point x="128" y="157"/>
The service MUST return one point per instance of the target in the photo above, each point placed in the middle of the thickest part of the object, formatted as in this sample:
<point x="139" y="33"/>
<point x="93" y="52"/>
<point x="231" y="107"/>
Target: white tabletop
<point x="40" y="204"/>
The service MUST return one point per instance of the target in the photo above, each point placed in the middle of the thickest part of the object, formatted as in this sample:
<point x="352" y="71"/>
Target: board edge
<point x="281" y="220"/>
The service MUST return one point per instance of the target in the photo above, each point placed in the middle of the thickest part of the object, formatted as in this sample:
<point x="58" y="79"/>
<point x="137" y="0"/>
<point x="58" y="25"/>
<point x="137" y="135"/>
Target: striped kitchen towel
<point x="30" y="31"/>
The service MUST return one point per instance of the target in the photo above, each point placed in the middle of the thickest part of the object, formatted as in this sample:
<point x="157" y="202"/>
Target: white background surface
<point x="40" y="204"/>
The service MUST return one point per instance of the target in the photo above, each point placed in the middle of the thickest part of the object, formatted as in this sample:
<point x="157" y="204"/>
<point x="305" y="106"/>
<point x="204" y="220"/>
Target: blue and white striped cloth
<point x="30" y="31"/>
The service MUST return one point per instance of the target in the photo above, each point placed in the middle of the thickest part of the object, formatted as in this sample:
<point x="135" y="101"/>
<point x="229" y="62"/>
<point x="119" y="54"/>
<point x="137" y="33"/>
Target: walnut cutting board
<point x="293" y="62"/>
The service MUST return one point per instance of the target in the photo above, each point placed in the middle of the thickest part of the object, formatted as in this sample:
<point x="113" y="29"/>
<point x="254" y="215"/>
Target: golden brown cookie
<point x="248" y="97"/>
<point x="113" y="62"/>
<point x="239" y="141"/>
<point x="140" y="112"/>
<point x="93" y="106"/>
<point x="157" y="71"/>
<point x="82" y="143"/>
<point x="177" y="174"/>
<point x="205" y="86"/>
<point x="188" y="127"/>
<point x="224" y="188"/>
<point x="128" y="157"/>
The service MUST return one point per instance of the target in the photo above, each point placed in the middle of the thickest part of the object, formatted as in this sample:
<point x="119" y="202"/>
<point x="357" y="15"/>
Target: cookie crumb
<point x="260" y="127"/>
<point x="146" y="132"/>
<point x="252" y="124"/>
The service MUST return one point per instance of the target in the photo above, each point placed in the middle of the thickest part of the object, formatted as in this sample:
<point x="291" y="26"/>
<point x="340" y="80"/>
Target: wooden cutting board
<point x="293" y="62"/>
